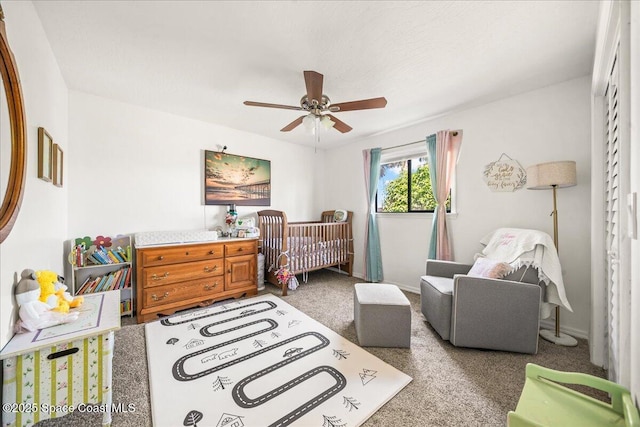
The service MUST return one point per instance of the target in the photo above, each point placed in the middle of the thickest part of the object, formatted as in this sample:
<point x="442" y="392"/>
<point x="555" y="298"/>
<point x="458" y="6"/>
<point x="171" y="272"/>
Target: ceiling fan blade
<point x="292" y="125"/>
<point x="364" y="104"/>
<point x="262" y="104"/>
<point x="339" y="124"/>
<point x="313" y="81"/>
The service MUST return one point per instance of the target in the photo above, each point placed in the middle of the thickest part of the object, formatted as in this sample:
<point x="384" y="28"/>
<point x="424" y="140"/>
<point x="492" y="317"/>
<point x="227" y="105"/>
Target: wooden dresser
<point x="179" y="276"/>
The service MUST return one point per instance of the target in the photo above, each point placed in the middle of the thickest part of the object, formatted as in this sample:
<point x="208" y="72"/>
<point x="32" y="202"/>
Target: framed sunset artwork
<point x="240" y="180"/>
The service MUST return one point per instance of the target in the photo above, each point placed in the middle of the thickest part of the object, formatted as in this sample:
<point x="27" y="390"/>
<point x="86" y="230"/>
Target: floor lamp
<point x="551" y="176"/>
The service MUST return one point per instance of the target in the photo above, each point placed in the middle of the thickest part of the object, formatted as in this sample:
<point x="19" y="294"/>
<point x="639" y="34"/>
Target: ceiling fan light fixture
<point x="325" y="103"/>
<point x="309" y="122"/>
<point x="327" y="122"/>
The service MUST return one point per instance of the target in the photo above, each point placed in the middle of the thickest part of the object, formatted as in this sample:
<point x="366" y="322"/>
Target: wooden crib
<point x="304" y="246"/>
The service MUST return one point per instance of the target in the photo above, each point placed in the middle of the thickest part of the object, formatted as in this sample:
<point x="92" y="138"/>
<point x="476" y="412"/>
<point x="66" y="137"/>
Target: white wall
<point x="539" y="126"/>
<point x="36" y="239"/>
<point x="134" y="169"/>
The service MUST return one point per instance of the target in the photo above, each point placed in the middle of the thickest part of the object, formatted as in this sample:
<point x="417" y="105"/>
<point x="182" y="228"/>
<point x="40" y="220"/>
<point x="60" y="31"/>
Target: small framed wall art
<point x="58" y="163"/>
<point x="45" y="152"/>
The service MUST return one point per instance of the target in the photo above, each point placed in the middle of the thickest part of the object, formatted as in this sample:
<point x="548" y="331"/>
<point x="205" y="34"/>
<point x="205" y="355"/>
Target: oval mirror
<point x="14" y="158"/>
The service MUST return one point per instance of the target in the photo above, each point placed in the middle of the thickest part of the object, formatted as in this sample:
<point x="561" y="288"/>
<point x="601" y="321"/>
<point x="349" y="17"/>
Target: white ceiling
<point x="203" y="59"/>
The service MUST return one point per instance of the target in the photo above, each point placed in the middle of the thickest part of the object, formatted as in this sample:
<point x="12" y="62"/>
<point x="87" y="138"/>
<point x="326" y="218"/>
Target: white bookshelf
<point x="83" y="269"/>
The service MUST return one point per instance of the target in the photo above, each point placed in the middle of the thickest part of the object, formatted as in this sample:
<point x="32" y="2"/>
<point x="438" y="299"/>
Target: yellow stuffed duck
<point x="36" y="312"/>
<point x="53" y="292"/>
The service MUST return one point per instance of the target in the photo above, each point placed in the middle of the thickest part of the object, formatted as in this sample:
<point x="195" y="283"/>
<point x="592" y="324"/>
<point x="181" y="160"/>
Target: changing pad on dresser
<point x="151" y="238"/>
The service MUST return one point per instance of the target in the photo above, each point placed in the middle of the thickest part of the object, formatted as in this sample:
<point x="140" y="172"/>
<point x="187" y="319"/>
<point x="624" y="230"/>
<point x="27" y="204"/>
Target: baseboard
<point x="551" y="324"/>
<point x="337" y="270"/>
<point x="404" y="287"/>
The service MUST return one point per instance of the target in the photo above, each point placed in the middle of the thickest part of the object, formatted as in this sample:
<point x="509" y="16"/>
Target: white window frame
<point x="410" y="151"/>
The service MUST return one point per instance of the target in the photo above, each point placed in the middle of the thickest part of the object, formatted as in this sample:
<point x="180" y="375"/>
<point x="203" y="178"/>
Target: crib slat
<point x="294" y="244"/>
<point x="334" y="245"/>
<point x="345" y="245"/>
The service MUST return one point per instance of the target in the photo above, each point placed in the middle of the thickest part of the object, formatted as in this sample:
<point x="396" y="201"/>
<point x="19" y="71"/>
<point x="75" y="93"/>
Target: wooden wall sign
<point x="505" y="174"/>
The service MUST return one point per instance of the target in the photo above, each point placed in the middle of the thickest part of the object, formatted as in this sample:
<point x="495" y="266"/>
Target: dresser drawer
<point x="166" y="274"/>
<point x="240" y="248"/>
<point x="180" y="292"/>
<point x="178" y="254"/>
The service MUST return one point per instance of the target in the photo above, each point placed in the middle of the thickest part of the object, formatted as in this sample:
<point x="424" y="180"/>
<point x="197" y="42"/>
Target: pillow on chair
<point x="489" y="268"/>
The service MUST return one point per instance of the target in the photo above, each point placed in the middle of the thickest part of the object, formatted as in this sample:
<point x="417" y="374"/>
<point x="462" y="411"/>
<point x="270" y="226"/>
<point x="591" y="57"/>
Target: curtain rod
<point x="454" y="133"/>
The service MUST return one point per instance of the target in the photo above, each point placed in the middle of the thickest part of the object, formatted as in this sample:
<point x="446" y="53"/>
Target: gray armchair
<point x="495" y="314"/>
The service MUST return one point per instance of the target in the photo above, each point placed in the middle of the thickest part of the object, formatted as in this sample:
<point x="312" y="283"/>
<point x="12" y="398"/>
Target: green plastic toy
<point x="544" y="402"/>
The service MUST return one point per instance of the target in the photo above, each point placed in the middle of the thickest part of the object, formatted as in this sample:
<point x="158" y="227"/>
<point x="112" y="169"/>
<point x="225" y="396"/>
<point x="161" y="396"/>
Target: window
<point x="404" y="185"/>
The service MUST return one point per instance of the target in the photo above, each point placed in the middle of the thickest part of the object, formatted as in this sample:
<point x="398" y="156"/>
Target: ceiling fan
<point x="318" y="105"/>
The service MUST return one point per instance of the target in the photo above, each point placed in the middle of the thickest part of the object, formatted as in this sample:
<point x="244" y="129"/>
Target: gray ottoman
<point x="382" y="315"/>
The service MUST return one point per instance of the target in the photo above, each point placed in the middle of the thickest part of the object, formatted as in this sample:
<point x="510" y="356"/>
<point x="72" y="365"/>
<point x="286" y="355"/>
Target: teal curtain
<point x="431" y="151"/>
<point x="373" y="256"/>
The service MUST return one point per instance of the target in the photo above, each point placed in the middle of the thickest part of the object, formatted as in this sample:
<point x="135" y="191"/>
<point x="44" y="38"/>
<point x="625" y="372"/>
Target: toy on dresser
<point x="247" y="228"/>
<point x="43" y="301"/>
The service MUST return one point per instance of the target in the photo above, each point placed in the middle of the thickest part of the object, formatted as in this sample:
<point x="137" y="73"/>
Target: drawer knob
<point x="240" y="249"/>
<point x="157" y="298"/>
<point x="211" y="252"/>
<point x="156" y="277"/>
<point x="208" y="269"/>
<point x="210" y="287"/>
<point x="187" y="253"/>
<point x="161" y="257"/>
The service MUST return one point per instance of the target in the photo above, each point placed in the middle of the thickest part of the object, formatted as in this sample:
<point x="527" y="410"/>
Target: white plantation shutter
<point x="611" y="338"/>
<point x="612" y="214"/>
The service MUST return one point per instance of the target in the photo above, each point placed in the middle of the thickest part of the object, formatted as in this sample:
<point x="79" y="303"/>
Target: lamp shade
<point x="544" y="176"/>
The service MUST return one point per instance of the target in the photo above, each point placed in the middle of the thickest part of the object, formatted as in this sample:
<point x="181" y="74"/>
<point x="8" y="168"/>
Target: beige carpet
<point x="451" y="386"/>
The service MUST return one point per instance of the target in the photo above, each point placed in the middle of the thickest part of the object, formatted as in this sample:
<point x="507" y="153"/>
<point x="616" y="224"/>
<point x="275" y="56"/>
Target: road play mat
<point x="261" y="362"/>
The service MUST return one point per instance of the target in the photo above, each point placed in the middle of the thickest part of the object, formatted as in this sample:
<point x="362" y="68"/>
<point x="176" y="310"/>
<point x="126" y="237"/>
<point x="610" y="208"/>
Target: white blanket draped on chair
<point x="531" y="248"/>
